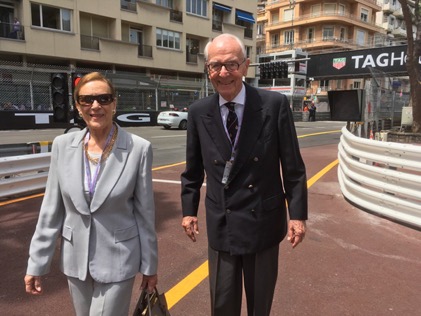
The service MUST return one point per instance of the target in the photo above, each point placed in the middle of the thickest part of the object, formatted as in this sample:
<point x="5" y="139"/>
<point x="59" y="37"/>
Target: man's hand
<point x="33" y="284"/>
<point x="191" y="226"/>
<point x="150" y="282"/>
<point x="296" y="232"/>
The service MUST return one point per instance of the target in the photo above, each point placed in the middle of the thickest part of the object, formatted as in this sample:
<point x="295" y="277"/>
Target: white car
<point x="177" y="119"/>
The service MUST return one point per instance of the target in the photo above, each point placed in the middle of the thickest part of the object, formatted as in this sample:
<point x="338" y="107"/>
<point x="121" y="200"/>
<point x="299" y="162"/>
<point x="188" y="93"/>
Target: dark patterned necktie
<point x="232" y="121"/>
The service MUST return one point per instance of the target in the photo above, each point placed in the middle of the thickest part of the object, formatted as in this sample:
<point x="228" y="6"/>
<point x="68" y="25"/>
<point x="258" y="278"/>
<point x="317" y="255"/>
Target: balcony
<point x="144" y="51"/>
<point x="325" y="17"/>
<point x="398" y="13"/>
<point x="388" y="8"/>
<point x="248" y="33"/>
<point x="191" y="58"/>
<point x="8" y="30"/>
<point x="128" y="5"/>
<point x="399" y="32"/>
<point x="176" y="16"/>
<point x="217" y="26"/>
<point x="387" y="26"/>
<point x="89" y="42"/>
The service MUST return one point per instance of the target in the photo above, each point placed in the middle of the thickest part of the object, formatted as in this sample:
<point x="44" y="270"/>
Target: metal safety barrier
<point x="23" y="174"/>
<point x="381" y="177"/>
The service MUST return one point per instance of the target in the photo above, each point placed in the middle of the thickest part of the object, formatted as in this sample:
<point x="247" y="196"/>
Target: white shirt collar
<point x="240" y="98"/>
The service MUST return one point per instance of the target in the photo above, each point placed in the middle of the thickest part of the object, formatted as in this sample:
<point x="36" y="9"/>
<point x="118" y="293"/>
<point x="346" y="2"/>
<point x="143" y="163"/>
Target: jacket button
<point x="256" y="159"/>
<point x="228" y="211"/>
<point x="253" y="211"/>
<point x="250" y="186"/>
<point x="215" y="162"/>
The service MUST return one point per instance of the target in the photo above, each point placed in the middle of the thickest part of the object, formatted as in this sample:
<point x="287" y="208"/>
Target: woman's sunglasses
<point x="88" y="100"/>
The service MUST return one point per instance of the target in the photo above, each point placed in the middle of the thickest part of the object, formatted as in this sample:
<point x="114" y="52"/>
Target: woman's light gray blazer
<point x="114" y="237"/>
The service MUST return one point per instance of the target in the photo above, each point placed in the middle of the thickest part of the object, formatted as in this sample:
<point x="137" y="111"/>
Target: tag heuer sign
<point x="339" y="63"/>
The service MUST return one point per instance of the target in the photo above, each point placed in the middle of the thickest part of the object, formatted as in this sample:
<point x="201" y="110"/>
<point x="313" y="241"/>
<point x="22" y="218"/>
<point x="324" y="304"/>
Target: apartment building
<point x="151" y="49"/>
<point x="318" y="26"/>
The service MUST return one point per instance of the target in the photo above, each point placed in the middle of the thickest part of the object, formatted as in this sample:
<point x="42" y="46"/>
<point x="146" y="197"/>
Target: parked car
<point x="177" y="119"/>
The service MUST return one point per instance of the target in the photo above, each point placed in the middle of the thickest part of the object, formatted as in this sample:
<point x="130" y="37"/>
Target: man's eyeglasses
<point x="229" y="66"/>
<point x="88" y="100"/>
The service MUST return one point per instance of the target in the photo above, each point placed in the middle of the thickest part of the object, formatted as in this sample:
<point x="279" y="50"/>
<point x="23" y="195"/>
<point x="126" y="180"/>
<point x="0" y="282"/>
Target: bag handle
<point x="160" y="303"/>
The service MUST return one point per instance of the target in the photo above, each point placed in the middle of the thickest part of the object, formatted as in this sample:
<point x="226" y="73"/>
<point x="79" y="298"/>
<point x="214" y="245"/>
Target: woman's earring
<point x="114" y="111"/>
<point x="80" y="113"/>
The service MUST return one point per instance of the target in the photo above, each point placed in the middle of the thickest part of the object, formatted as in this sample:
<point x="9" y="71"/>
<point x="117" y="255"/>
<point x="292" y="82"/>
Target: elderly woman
<point x="99" y="199"/>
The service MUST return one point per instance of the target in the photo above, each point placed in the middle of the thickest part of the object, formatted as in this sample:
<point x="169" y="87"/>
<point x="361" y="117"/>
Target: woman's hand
<point x="33" y="284"/>
<point x="149" y="281"/>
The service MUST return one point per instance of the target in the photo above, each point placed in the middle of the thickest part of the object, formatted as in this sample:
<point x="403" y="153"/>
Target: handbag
<point x="154" y="304"/>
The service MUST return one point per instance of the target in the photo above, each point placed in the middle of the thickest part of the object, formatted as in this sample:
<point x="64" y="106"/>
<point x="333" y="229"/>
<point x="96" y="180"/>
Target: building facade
<point x="321" y="26"/>
<point x="152" y="50"/>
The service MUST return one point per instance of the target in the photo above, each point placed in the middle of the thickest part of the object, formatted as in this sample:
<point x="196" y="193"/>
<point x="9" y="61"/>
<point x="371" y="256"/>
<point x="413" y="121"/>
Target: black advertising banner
<point x="357" y="63"/>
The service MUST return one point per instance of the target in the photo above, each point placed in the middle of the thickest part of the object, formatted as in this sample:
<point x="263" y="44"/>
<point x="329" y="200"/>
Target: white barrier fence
<point x="23" y="174"/>
<point x="381" y="177"/>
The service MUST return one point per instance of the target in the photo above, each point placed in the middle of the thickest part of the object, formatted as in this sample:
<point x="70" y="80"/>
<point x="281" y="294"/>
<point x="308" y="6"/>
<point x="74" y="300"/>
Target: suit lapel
<point x="212" y="121"/>
<point x="113" y="169"/>
<point x="251" y="126"/>
<point x="75" y="171"/>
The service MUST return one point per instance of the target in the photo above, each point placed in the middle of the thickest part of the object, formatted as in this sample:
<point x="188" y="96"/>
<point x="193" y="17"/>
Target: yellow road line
<point x="21" y="199"/>
<point x="169" y="166"/>
<point x="321" y="173"/>
<point x="186" y="285"/>
<point x="319" y="133"/>
<point x="177" y="292"/>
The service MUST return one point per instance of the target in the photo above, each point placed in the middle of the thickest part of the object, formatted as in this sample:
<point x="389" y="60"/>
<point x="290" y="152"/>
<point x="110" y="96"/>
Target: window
<point x="315" y="10"/>
<point x="165" y="3"/>
<point x="249" y="49"/>
<point x="289" y="37"/>
<point x="167" y="39"/>
<point x="310" y="35"/>
<point x="357" y="85"/>
<point x="51" y="17"/>
<point x="275" y="17"/>
<point x="260" y="28"/>
<point x="198" y="7"/>
<point x="324" y="85"/>
<point x="364" y="15"/>
<point x="327" y="33"/>
<point x="360" y="37"/>
<point x="288" y="15"/>
<point x="342" y="34"/>
<point x="339" y="84"/>
<point x="341" y="9"/>
<point x="329" y="8"/>
<point x="274" y="40"/>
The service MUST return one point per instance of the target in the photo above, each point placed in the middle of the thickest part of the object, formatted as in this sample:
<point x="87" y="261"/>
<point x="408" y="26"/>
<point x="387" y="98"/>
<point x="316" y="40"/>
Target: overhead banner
<point x="357" y="63"/>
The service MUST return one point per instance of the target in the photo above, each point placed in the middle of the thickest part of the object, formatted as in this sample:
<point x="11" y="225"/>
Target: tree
<point x="411" y="10"/>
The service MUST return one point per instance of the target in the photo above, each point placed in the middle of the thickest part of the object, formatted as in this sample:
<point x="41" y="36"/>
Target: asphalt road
<point x="351" y="262"/>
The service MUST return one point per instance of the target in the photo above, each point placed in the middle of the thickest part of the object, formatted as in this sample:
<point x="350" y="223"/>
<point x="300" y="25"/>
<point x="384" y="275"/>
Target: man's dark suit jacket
<point x="249" y="213"/>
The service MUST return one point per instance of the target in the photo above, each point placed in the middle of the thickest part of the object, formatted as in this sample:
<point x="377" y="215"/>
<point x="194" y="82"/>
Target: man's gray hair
<point x="226" y="35"/>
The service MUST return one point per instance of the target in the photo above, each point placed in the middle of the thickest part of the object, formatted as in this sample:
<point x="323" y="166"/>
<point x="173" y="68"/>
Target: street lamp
<point x="292" y="6"/>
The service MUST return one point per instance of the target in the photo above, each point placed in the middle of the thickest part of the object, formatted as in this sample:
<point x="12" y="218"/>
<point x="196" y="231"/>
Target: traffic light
<point x="262" y="71"/>
<point x="75" y="80"/>
<point x="60" y="97"/>
<point x="270" y="70"/>
<point x="284" y="70"/>
<point x="277" y="70"/>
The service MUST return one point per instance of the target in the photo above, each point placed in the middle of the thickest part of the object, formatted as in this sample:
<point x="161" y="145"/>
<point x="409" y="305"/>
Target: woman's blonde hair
<point x="93" y="76"/>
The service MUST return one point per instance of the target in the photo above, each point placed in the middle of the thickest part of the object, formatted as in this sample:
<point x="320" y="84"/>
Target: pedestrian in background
<point x="312" y="110"/>
<point x="99" y="201"/>
<point x="243" y="139"/>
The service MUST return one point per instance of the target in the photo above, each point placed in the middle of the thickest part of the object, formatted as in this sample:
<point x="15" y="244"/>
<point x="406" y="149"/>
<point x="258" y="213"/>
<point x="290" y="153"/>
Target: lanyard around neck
<point x="93" y="180"/>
